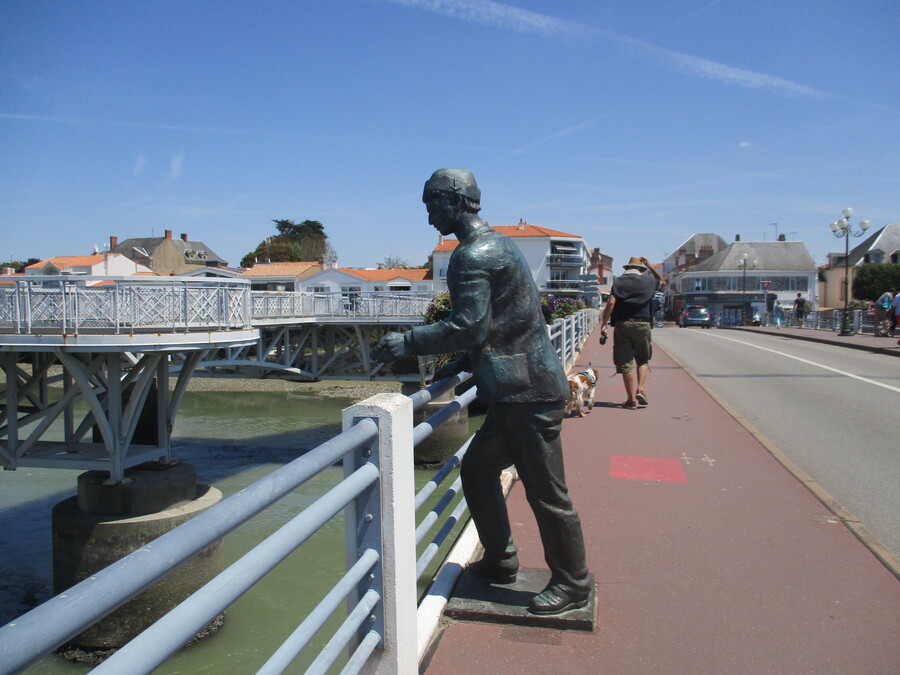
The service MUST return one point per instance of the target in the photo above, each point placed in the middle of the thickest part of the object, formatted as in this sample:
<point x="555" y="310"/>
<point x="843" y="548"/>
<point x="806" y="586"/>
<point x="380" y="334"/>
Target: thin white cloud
<point x="176" y="166"/>
<point x="507" y="17"/>
<point x="139" y="163"/>
<point x="744" y="144"/>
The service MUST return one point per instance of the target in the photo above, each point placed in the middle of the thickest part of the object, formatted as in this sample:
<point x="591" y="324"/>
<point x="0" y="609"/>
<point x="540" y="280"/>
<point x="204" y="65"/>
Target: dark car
<point x="696" y="315"/>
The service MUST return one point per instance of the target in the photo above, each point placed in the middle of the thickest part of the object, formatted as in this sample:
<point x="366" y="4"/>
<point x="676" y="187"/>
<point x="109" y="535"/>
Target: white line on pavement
<point x="811" y="363"/>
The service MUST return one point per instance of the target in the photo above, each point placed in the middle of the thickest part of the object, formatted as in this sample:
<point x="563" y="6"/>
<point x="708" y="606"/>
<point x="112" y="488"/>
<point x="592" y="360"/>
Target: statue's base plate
<point x="476" y="599"/>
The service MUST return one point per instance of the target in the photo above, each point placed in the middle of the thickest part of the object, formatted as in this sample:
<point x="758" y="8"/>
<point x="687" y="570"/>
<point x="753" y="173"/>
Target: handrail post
<point x="384" y="519"/>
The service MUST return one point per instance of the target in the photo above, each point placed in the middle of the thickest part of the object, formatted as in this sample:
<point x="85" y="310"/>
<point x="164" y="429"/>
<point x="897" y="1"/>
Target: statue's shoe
<point x="554" y="600"/>
<point x="504" y="572"/>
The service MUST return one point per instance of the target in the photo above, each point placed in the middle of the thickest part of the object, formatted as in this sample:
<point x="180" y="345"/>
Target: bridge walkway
<point x="709" y="555"/>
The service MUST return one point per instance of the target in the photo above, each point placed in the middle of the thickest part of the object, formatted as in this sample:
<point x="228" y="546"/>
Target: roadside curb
<point x="888" y="559"/>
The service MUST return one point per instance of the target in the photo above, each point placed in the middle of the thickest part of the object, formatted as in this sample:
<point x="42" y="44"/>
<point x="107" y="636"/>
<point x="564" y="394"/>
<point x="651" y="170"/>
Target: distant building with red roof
<point x="316" y="277"/>
<point x="280" y="276"/>
<point x="353" y="280"/>
<point x="560" y="262"/>
<point x="98" y="264"/>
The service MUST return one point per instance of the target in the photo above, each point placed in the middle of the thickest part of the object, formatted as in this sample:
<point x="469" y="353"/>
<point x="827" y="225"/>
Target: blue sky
<point x="632" y="124"/>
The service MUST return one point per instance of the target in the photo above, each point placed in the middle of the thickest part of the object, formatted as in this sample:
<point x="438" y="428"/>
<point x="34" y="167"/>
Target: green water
<point x="233" y="439"/>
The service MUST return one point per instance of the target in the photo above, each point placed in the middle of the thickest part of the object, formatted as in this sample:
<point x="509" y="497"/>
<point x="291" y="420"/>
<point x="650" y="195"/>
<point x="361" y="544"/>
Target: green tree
<point x="392" y="262"/>
<point x="295" y="242"/>
<point x="873" y="279"/>
<point x="19" y="265"/>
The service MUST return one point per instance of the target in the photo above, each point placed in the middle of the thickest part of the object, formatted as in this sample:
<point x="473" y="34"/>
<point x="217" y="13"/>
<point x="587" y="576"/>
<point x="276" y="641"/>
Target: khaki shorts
<point x="631" y="343"/>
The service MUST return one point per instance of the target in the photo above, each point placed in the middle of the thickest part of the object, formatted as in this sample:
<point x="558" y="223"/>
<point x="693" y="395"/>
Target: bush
<point x="439" y="309"/>
<point x="559" y="308"/>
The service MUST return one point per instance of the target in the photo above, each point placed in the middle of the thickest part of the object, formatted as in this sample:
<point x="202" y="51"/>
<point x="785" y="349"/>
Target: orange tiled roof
<point x="66" y="261"/>
<point x="279" y="269"/>
<point x="411" y="274"/>
<point x="525" y="230"/>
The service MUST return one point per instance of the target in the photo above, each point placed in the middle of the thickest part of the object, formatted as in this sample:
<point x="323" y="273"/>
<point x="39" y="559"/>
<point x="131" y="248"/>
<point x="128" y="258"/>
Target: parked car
<point x="696" y="315"/>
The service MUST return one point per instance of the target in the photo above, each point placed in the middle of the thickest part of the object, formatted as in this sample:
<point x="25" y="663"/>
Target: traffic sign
<point x="765" y="285"/>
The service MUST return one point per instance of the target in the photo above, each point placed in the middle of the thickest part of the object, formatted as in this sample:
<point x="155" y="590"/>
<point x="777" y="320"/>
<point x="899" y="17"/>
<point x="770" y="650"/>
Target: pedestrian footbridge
<point x="110" y="342"/>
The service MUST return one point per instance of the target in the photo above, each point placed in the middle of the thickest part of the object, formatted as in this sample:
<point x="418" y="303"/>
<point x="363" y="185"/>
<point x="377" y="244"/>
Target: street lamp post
<point x="743" y="265"/>
<point x="842" y="228"/>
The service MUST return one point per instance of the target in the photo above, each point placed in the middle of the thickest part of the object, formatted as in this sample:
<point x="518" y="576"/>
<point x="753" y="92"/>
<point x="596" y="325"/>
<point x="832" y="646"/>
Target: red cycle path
<point x="710" y="557"/>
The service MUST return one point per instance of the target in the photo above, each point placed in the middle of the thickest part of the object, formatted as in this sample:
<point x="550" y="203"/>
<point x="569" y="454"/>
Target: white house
<point x="560" y="262"/>
<point x="280" y="276"/>
<point x="350" y="280"/>
<point x="98" y="264"/>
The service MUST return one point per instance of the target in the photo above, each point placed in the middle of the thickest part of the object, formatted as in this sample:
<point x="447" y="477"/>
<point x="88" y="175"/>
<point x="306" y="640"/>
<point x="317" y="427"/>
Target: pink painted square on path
<point x="647" y="468"/>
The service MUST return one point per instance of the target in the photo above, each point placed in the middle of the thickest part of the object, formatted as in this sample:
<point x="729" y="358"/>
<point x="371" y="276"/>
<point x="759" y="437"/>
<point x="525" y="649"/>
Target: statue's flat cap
<point x="455" y="181"/>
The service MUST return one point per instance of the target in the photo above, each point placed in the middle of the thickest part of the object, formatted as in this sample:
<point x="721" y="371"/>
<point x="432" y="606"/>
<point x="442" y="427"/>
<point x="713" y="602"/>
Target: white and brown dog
<point x="581" y="388"/>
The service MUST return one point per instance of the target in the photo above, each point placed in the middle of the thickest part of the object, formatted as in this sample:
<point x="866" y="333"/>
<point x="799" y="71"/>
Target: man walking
<point x="496" y="321"/>
<point x="630" y="310"/>
<point x="799" y="310"/>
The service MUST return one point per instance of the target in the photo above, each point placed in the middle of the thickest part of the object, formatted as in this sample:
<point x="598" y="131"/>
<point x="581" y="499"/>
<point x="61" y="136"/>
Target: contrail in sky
<point x="507" y="17"/>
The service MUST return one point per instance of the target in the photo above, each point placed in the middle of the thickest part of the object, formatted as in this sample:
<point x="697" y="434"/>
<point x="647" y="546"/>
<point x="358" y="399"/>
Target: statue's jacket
<point x="497" y="321"/>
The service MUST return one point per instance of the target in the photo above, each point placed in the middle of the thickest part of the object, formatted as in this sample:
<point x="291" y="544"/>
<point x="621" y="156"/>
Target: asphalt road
<point x="832" y="411"/>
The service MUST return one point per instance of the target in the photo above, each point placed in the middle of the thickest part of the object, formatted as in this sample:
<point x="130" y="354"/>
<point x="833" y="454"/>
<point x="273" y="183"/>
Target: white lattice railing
<point x="112" y="305"/>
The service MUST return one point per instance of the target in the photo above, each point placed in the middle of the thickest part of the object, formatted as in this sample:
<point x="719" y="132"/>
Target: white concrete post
<point x="394" y="416"/>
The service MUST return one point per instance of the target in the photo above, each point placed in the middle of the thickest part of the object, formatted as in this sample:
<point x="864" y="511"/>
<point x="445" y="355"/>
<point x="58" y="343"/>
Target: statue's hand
<point x="447" y="370"/>
<point x="390" y="348"/>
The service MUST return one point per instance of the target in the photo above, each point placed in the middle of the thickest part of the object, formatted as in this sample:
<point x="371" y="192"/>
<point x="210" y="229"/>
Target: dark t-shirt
<point x="799" y="306"/>
<point x="634" y="297"/>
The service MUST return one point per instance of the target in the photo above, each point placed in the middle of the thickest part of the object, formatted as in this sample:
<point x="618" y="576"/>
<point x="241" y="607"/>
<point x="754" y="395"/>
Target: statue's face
<point x="443" y="211"/>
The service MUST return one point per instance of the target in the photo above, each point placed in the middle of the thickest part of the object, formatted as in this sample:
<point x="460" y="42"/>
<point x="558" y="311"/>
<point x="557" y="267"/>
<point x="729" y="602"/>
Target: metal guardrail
<point x="379" y="304"/>
<point x="61" y="305"/>
<point x="59" y="619"/>
<point x="376" y="449"/>
<point x="568" y="334"/>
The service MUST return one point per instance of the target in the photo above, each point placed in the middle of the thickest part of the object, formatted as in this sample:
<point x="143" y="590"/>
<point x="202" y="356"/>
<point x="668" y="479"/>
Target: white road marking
<point x="808" y="362"/>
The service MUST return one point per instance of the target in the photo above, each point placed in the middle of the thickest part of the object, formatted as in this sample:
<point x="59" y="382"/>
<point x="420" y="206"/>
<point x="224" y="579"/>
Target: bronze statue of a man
<point x="496" y="321"/>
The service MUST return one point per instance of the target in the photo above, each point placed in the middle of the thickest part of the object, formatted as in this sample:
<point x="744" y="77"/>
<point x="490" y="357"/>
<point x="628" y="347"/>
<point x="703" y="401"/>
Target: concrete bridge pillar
<point x="443" y="443"/>
<point x="108" y="520"/>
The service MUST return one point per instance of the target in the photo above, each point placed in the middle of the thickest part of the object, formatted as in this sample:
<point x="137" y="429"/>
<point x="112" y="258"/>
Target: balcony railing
<point x="570" y="285"/>
<point x="565" y="260"/>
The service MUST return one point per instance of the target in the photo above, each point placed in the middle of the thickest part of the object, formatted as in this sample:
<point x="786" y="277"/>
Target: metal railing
<point x="379" y="587"/>
<point x="565" y="260"/>
<point x="568" y="334"/>
<point x="63" y="305"/>
<point x="286" y="305"/>
<point x="376" y="451"/>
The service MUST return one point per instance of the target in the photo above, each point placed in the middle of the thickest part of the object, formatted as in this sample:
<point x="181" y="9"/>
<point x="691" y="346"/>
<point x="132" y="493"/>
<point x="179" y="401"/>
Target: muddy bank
<point x="352" y="389"/>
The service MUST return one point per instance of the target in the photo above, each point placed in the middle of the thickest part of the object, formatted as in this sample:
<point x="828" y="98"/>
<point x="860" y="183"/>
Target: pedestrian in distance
<point x="799" y="310"/>
<point x="630" y="311"/>
<point x="496" y="321"/>
<point x="895" y="314"/>
<point x="779" y="313"/>
<point x="882" y="308"/>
